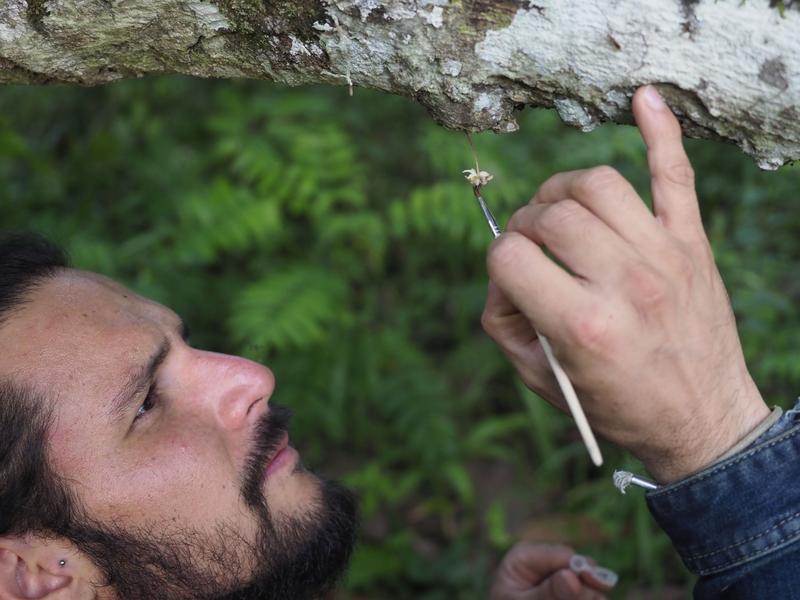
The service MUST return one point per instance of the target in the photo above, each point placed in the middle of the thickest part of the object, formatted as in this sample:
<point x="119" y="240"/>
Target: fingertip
<point x="593" y="575"/>
<point x="566" y="584"/>
<point x="653" y="117"/>
<point x="588" y="578"/>
<point x="649" y="98"/>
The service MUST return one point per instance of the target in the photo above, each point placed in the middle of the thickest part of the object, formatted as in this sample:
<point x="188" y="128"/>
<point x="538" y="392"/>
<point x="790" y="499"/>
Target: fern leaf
<point x="292" y="308"/>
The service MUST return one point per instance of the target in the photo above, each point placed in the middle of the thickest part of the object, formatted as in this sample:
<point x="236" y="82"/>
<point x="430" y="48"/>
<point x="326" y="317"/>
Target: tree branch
<point x="731" y="70"/>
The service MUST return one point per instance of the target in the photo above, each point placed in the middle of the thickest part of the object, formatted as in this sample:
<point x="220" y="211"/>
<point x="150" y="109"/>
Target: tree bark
<point x="730" y="69"/>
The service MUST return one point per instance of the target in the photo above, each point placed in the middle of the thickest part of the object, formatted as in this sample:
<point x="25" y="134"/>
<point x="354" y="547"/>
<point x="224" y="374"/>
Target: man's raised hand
<point x="635" y="308"/>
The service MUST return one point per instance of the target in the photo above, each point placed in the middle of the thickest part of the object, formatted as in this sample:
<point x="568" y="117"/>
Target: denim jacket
<point x="736" y="523"/>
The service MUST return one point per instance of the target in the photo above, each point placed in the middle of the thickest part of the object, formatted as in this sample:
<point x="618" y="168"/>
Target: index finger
<point x="536" y="562"/>
<point x="671" y="173"/>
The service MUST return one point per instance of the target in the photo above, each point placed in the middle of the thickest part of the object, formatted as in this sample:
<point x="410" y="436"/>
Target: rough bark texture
<point x="731" y="69"/>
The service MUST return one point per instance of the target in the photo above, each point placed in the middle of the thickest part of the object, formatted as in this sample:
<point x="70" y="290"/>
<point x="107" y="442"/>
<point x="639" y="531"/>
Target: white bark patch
<point x="573" y="112"/>
<point x="489" y="103"/>
<point x="208" y="16"/>
<point x="298" y="47"/>
<point x="451" y="67"/>
<point x="737" y="59"/>
<point x="435" y="17"/>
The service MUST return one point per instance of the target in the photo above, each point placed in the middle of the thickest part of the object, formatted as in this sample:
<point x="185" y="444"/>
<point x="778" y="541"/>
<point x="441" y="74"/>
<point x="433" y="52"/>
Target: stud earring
<point x="62" y="562"/>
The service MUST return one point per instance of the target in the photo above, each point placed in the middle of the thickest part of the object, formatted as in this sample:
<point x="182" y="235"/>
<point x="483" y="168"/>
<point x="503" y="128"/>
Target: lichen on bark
<point x="730" y="70"/>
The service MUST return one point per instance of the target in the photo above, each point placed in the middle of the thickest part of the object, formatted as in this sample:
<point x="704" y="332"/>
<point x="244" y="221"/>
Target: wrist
<point x="709" y="439"/>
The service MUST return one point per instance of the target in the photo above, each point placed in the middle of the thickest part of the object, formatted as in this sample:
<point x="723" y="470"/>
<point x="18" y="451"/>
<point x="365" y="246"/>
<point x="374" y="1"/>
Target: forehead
<point x="79" y="324"/>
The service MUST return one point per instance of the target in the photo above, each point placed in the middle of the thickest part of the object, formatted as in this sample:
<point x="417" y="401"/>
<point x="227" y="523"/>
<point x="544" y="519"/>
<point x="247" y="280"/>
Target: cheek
<point x="64" y="454"/>
<point x="175" y="480"/>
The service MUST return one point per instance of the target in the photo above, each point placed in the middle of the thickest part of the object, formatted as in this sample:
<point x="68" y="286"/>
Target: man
<point x="134" y="466"/>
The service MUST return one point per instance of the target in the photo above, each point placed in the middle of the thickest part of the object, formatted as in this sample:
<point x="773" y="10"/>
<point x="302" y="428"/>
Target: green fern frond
<point x="292" y="308"/>
<point x="223" y="219"/>
<point x="445" y="209"/>
<point x="363" y="234"/>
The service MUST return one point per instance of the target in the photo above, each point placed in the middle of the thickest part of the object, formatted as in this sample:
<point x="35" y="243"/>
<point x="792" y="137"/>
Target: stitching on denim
<point x="701" y="476"/>
<point x="759" y="554"/>
<point x="750" y="539"/>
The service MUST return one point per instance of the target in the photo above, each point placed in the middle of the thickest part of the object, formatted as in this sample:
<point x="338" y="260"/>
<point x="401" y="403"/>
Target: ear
<point x="31" y="568"/>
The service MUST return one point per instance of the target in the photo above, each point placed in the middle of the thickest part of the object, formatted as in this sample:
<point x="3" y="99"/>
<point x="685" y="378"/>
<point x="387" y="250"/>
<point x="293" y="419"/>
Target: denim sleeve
<point x="736" y="524"/>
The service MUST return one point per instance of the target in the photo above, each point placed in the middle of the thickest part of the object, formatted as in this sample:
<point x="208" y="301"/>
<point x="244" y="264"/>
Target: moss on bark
<point x="35" y="13"/>
<point x="273" y="16"/>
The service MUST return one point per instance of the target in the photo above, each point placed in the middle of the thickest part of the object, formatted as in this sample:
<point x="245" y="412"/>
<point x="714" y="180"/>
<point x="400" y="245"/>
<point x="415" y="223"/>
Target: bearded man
<point x="134" y="466"/>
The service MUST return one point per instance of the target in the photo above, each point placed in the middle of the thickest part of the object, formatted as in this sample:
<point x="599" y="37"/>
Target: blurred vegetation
<point x="334" y="239"/>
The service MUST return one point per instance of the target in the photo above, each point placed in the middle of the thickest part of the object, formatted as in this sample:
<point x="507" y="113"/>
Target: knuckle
<point x="559" y="215"/>
<point x="517" y="219"/>
<point x="648" y="288"/>
<point x="590" y="330"/>
<point x="680" y="173"/>
<point x="549" y="182"/>
<point x="506" y="252"/>
<point x="680" y="262"/>
<point x="683" y="264"/>
<point x="595" y="178"/>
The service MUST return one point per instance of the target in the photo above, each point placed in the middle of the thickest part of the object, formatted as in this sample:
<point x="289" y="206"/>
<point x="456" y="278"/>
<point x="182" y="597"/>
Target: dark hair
<point x="32" y="499"/>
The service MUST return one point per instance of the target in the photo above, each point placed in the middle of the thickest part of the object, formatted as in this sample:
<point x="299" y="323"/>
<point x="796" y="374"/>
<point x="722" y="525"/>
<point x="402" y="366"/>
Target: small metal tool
<point x="622" y="479"/>
<point x="561" y="376"/>
<point x="496" y="231"/>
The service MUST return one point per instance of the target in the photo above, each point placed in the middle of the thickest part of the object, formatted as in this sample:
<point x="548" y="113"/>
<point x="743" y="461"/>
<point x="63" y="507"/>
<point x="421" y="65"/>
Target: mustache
<point x="267" y="436"/>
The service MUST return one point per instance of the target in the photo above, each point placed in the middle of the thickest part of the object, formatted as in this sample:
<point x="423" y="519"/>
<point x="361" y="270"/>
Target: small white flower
<point x="477" y="178"/>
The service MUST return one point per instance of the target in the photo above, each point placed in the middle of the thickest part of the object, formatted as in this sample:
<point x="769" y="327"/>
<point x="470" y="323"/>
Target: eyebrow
<point x="141" y="378"/>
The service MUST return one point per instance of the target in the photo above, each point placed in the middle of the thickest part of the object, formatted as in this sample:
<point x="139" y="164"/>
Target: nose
<point x="240" y="389"/>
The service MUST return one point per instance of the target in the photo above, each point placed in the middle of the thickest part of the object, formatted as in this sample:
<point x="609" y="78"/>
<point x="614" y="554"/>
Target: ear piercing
<point x="62" y="562"/>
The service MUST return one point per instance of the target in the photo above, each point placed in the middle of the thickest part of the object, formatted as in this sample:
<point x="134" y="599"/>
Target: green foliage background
<point x="334" y="239"/>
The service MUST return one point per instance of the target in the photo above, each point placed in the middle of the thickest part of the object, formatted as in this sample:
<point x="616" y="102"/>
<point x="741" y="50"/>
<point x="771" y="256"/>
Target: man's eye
<point x="149" y="403"/>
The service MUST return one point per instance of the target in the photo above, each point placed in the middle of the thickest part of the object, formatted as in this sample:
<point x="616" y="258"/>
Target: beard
<point x="292" y="558"/>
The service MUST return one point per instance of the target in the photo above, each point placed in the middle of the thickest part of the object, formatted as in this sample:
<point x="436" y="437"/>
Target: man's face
<point x="167" y="444"/>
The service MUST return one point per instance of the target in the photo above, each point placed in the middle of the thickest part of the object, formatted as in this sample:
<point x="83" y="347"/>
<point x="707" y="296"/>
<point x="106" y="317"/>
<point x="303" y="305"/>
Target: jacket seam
<point x="736" y="562"/>
<point x="748" y="540"/>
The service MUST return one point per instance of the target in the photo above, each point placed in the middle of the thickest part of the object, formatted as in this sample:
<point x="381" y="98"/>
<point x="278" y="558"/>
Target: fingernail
<point x="607" y="576"/>
<point x="579" y="564"/>
<point x="653" y="98"/>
